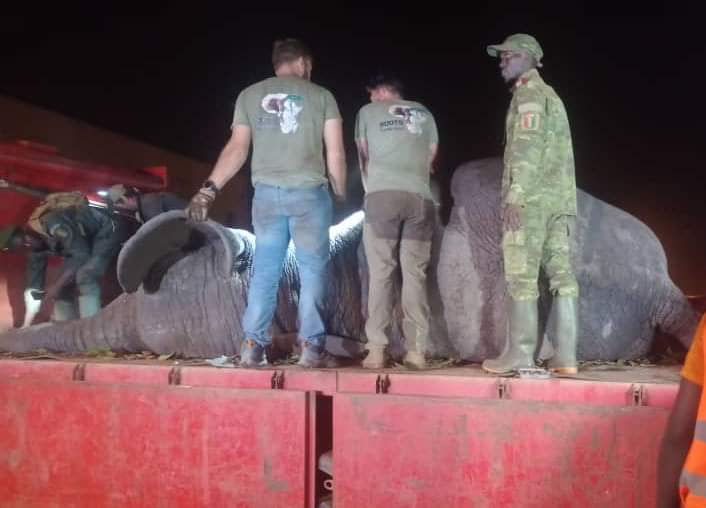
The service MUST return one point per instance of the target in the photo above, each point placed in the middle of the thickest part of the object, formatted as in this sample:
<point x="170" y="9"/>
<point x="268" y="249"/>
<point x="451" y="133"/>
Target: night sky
<point x="634" y="86"/>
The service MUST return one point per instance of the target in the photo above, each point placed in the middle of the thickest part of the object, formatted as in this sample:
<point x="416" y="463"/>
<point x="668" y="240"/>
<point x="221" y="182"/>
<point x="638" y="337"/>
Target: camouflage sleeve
<point x="108" y="237"/>
<point x="36" y="269"/>
<point x="523" y="152"/>
<point x="240" y="115"/>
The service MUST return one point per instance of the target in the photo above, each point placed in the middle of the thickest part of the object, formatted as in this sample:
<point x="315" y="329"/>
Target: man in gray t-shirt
<point x="397" y="142"/>
<point x="289" y="120"/>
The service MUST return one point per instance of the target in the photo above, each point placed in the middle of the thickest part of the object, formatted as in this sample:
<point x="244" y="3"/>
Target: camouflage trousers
<point x="543" y="241"/>
<point x="398" y="224"/>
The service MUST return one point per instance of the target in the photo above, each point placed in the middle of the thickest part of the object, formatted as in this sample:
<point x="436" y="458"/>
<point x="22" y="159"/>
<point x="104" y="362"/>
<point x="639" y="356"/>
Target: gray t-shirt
<point x="286" y="116"/>
<point x="399" y="134"/>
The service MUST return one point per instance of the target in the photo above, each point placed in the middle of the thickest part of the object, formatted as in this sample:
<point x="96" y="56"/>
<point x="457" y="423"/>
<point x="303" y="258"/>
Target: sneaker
<point x="414" y="360"/>
<point x="376" y="358"/>
<point x="251" y="353"/>
<point x="315" y="356"/>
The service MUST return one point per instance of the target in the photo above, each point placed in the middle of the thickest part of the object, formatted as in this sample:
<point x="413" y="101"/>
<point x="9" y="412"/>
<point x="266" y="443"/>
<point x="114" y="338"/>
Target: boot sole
<point x="499" y="372"/>
<point x="254" y="365"/>
<point x="564" y="370"/>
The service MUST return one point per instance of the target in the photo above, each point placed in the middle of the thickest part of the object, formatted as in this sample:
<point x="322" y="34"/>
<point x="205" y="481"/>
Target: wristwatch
<point x="208" y="184"/>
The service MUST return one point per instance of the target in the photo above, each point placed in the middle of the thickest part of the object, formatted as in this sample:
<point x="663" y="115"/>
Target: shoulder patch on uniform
<point x="527" y="107"/>
<point x="530" y="121"/>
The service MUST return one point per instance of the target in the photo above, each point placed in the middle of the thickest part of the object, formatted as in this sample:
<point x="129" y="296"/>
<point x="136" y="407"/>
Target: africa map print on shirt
<point x="287" y="108"/>
<point x="410" y="118"/>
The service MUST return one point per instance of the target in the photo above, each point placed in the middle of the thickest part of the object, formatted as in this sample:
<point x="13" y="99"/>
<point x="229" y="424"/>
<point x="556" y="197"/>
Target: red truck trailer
<point x="82" y="432"/>
<point x="116" y="432"/>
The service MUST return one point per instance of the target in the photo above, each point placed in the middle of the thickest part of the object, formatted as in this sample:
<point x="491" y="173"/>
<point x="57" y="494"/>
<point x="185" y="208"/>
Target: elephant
<point x="626" y="294"/>
<point x="186" y="287"/>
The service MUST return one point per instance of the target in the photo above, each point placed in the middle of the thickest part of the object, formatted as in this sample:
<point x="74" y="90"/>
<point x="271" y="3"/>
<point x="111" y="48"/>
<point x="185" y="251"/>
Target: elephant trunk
<point x="113" y="328"/>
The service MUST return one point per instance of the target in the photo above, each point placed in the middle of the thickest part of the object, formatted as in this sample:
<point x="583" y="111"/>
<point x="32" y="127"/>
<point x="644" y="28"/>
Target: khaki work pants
<point x="398" y="224"/>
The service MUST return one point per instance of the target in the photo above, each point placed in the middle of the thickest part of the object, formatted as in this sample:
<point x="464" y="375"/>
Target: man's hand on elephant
<point x="200" y="204"/>
<point x="33" y="302"/>
<point x="511" y="217"/>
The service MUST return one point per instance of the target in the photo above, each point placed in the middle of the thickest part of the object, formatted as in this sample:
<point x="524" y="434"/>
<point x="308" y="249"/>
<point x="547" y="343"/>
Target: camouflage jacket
<point x="538" y="158"/>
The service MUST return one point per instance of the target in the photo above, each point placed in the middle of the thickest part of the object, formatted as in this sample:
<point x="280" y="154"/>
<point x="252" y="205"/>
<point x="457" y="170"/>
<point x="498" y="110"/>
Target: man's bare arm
<point x="676" y="442"/>
<point x="433" y="150"/>
<point x="335" y="157"/>
<point x="232" y="157"/>
<point x="229" y="162"/>
<point x="363" y="158"/>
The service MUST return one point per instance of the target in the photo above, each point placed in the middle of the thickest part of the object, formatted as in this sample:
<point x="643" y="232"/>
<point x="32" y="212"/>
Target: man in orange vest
<point x="682" y="459"/>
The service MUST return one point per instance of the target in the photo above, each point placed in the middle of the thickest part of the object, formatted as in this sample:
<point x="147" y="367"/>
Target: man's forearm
<point x="671" y="460"/>
<point x="228" y="164"/>
<point x="363" y="162"/>
<point x="433" y="150"/>
<point x="337" y="173"/>
<point x="676" y="441"/>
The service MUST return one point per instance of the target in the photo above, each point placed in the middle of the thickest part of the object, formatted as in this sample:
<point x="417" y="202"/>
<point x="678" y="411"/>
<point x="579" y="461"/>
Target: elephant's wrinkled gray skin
<point x="194" y="294"/>
<point x="626" y="292"/>
<point x="195" y="286"/>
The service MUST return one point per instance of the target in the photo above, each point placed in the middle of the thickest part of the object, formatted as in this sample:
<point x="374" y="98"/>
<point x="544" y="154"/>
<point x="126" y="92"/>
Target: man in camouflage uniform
<point x="538" y="211"/>
<point x="87" y="238"/>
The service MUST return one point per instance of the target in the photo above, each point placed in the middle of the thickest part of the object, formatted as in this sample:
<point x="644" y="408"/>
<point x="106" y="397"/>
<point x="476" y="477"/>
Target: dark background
<point x="633" y="84"/>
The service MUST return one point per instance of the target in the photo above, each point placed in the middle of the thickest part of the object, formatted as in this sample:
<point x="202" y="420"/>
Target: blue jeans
<point x="278" y="214"/>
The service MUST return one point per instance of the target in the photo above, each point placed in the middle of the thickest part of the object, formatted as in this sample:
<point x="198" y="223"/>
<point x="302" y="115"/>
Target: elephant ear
<point x="161" y="242"/>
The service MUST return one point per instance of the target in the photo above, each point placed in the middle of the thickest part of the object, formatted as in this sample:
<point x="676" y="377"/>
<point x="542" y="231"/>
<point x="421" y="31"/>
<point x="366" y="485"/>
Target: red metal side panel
<point x="120" y="373"/>
<point x="286" y="379"/>
<point x="77" y="444"/>
<point x="482" y="386"/>
<point x="413" y="384"/>
<point x="398" y="451"/>
<point x="37" y="370"/>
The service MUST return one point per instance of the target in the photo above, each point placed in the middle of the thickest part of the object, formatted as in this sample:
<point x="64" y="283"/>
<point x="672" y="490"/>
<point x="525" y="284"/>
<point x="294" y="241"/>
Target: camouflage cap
<point x="6" y="235"/>
<point x="518" y="42"/>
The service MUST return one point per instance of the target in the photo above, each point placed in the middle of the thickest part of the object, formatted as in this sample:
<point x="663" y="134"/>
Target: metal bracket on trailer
<point x="174" y="377"/>
<point x="382" y="384"/>
<point x="277" y="381"/>
<point x="79" y="373"/>
<point x="638" y="395"/>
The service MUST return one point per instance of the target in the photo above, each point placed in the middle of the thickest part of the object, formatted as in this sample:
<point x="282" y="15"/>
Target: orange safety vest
<point x="692" y="484"/>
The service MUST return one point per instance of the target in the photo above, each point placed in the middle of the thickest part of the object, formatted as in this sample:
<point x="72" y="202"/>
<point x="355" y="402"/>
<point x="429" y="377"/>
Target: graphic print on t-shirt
<point x="411" y="118"/>
<point x="286" y="107"/>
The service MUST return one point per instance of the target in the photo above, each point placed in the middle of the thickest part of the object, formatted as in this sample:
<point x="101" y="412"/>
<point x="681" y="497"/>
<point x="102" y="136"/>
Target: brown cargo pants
<point x="398" y="223"/>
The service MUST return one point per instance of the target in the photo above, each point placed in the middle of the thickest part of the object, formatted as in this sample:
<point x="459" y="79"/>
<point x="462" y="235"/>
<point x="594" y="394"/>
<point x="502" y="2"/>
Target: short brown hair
<point x="388" y="80"/>
<point x="288" y="50"/>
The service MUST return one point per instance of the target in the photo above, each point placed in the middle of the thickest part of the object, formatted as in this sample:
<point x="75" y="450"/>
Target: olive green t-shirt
<point x="399" y="134"/>
<point x="286" y="117"/>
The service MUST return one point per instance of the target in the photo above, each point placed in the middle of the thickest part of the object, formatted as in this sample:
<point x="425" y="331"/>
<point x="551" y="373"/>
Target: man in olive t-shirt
<point x="397" y="142"/>
<point x="289" y="120"/>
